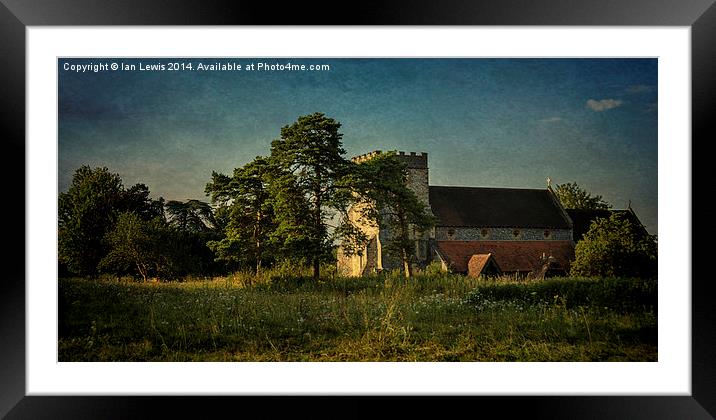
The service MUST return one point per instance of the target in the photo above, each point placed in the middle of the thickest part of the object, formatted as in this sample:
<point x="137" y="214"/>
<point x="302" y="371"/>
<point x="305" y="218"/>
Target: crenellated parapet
<point x="366" y="156"/>
<point x="414" y="160"/>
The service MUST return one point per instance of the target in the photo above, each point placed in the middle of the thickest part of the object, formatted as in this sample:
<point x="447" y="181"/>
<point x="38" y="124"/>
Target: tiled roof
<point x="582" y="219"/>
<point x="510" y="255"/>
<point x="476" y="264"/>
<point x="496" y="207"/>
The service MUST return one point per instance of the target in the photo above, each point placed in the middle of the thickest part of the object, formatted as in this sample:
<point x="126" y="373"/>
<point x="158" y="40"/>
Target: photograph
<point x="418" y="197"/>
<point x="357" y="209"/>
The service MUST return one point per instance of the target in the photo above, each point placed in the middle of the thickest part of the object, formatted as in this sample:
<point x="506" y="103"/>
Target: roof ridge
<point x="487" y="188"/>
<point x="593" y="210"/>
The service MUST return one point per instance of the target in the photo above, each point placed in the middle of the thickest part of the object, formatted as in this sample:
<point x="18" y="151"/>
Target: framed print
<point x="56" y="53"/>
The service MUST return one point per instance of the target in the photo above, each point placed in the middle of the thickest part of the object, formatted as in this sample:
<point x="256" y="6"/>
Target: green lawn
<point x="429" y="318"/>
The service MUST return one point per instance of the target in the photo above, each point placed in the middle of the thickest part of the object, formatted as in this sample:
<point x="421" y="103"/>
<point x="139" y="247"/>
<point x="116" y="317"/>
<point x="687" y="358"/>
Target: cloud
<point x="639" y="89"/>
<point x="551" y="119"/>
<point x="603" y="104"/>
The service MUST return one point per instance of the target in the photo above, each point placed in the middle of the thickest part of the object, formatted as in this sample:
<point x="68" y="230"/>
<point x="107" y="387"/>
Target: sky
<point x="483" y="122"/>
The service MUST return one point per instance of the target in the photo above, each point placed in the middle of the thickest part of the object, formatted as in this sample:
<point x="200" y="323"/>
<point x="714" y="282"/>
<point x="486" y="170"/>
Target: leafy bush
<point x="614" y="246"/>
<point x="435" y="268"/>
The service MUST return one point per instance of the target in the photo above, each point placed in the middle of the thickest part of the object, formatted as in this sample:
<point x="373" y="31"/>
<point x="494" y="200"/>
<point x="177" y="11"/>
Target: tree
<point x="85" y="213"/>
<point x="614" y="246"/>
<point x="309" y="165"/>
<point x="292" y="215"/>
<point x="190" y="215"/>
<point x="136" y="199"/>
<point x="383" y="197"/>
<point x="572" y="196"/>
<point x="138" y="244"/>
<point x="246" y="214"/>
<point x="89" y="209"/>
<point x="193" y="226"/>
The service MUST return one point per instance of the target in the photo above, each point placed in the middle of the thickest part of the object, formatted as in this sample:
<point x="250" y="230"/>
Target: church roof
<point x="496" y="207"/>
<point x="510" y="256"/>
<point x="582" y="219"/>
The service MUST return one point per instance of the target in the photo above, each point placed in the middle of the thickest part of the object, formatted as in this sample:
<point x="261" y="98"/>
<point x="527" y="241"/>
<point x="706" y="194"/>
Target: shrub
<point x="614" y="246"/>
<point x="435" y="268"/>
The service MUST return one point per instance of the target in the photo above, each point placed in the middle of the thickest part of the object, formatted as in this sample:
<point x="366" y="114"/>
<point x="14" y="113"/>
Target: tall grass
<point x="282" y="316"/>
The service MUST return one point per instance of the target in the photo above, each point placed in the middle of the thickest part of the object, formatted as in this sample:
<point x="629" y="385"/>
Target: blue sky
<point x="483" y="122"/>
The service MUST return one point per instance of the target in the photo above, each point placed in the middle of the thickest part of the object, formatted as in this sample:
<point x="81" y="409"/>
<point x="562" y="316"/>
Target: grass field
<point x="429" y="318"/>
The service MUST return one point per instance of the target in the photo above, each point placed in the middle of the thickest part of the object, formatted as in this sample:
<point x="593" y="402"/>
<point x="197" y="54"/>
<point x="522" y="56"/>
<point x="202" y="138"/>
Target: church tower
<point x="417" y="174"/>
<point x="373" y="259"/>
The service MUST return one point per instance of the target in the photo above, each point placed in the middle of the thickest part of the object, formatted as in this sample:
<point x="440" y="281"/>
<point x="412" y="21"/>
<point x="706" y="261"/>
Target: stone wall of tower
<point x="418" y="181"/>
<point x="417" y="174"/>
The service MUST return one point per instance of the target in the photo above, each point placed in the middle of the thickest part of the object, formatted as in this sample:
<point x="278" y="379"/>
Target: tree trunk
<point x="406" y="265"/>
<point x="142" y="272"/>
<point x="257" y="235"/>
<point x="258" y="258"/>
<point x="258" y="269"/>
<point x="316" y="269"/>
<point x="318" y="229"/>
<point x="404" y="236"/>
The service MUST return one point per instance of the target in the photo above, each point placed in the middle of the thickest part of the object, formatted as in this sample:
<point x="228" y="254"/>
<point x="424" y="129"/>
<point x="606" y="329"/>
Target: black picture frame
<point x="16" y="15"/>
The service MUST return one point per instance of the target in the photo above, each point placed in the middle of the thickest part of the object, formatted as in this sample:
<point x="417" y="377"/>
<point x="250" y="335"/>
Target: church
<point x="478" y="231"/>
